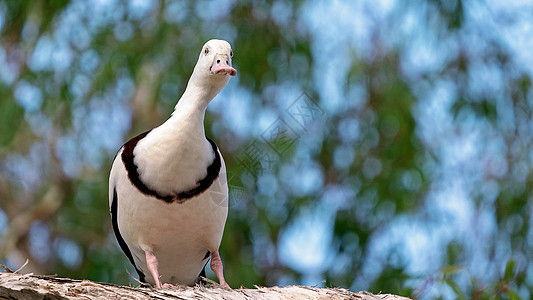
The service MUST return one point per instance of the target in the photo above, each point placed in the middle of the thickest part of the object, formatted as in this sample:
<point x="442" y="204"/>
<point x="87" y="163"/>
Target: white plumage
<point x="168" y="190"/>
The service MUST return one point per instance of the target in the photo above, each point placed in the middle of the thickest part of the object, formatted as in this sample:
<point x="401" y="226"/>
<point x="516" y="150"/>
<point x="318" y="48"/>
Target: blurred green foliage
<point x="80" y="78"/>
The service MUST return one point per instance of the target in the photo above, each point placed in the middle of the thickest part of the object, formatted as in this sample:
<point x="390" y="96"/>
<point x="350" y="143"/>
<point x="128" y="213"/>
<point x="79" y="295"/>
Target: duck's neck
<point x="198" y="94"/>
<point x="189" y="112"/>
<point x="195" y="98"/>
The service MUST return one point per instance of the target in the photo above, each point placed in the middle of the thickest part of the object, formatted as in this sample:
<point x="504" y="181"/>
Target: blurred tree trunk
<point x="28" y="286"/>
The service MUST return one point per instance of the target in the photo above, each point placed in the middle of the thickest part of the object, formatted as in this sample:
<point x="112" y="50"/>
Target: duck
<point x="168" y="191"/>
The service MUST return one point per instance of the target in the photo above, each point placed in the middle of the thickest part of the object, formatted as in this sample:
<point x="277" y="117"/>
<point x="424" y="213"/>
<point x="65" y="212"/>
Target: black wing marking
<point x="201" y="276"/>
<point x="203" y="184"/>
<point x="120" y="239"/>
<point x="133" y="173"/>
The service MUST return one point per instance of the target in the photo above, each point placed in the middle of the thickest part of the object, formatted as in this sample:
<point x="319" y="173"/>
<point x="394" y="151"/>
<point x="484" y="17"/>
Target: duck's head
<point x="214" y="62"/>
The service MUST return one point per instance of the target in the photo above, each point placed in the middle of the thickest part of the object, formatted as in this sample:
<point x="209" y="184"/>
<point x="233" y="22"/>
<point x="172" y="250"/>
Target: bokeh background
<point x="372" y="145"/>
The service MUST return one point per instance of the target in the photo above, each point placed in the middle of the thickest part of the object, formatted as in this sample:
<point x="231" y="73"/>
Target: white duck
<point x="168" y="192"/>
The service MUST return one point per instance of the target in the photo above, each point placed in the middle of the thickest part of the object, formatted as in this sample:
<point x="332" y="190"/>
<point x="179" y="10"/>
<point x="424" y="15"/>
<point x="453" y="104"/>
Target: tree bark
<point x="29" y="286"/>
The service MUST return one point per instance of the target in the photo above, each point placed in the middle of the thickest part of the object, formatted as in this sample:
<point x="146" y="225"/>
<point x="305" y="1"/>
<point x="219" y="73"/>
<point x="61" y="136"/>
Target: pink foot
<point x="216" y="266"/>
<point x="152" y="264"/>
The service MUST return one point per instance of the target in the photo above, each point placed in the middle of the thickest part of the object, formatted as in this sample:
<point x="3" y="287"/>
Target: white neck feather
<point x="200" y="91"/>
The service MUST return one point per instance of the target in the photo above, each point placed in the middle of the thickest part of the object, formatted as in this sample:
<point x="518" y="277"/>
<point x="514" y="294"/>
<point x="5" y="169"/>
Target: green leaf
<point x="509" y="270"/>
<point x="450" y="270"/>
<point x="513" y="295"/>
<point x="11" y="117"/>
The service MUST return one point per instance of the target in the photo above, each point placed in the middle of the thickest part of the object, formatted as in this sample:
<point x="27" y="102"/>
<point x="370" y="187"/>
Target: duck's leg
<point x="152" y="264"/>
<point x="216" y="266"/>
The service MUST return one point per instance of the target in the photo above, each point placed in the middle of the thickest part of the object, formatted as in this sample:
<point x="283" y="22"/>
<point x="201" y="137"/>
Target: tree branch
<point x="29" y="286"/>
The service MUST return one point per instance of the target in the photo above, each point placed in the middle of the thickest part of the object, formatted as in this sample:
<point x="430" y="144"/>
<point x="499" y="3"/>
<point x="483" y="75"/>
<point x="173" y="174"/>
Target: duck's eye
<point x="206" y="50"/>
<point x="231" y="53"/>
